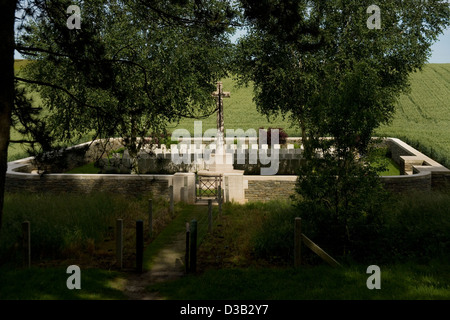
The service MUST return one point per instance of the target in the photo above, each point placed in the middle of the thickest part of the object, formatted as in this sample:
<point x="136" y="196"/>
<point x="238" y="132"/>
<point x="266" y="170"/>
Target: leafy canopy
<point x="319" y="63"/>
<point x="133" y="67"/>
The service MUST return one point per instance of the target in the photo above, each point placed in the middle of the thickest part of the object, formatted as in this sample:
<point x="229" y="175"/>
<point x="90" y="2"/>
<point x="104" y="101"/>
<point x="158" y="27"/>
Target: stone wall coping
<point x="412" y="177"/>
<point x="269" y="178"/>
<point x="415" y="154"/>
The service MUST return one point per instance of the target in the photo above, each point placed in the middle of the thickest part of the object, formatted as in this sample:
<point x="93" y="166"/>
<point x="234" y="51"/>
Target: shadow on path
<point x="168" y="262"/>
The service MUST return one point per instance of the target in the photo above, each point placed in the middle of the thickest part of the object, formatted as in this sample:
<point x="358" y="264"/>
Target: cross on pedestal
<point x="219" y="95"/>
<point x="220" y="163"/>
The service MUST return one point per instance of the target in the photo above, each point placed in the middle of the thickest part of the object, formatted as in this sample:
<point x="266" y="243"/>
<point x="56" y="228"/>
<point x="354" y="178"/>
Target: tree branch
<point x="168" y="16"/>
<point x="23" y="141"/>
<point x="41" y="83"/>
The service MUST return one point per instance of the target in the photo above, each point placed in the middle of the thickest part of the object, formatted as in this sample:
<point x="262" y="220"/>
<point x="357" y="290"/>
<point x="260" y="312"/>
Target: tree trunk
<point x="7" y="14"/>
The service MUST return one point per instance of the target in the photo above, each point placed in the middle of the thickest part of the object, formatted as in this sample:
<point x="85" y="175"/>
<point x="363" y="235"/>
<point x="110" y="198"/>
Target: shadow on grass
<point x="50" y="284"/>
<point x="398" y="282"/>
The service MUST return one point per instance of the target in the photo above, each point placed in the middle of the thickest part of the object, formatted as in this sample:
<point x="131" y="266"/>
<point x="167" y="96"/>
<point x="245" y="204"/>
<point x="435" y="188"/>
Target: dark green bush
<point x="409" y="228"/>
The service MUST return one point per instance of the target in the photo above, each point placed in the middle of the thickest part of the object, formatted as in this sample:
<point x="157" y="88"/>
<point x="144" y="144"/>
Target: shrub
<point x="282" y="135"/>
<point x="274" y="242"/>
<point x="409" y="228"/>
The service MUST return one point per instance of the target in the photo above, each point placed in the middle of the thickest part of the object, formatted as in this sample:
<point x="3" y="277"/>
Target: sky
<point x="441" y="49"/>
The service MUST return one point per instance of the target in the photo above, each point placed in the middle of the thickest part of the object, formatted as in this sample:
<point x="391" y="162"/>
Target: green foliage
<point x="413" y="227"/>
<point x="417" y="227"/>
<point x="58" y="222"/>
<point x="274" y="241"/>
<point x="68" y="225"/>
<point x="320" y="63"/>
<point x="130" y="70"/>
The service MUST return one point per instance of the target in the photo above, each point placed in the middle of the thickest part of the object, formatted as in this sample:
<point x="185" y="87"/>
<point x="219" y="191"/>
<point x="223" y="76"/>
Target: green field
<point x="422" y="117"/>
<point x="240" y="113"/>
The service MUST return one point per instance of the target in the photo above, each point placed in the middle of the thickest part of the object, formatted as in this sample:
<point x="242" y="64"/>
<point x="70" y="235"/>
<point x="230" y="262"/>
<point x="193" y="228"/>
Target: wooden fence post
<point x="193" y="247"/>
<point x="150" y="217"/>
<point x="172" y="210"/>
<point x="298" y="242"/>
<point x="119" y="243"/>
<point x="139" y="245"/>
<point x="210" y="216"/>
<point x="26" y="244"/>
<point x="220" y="200"/>
<point x="186" y="257"/>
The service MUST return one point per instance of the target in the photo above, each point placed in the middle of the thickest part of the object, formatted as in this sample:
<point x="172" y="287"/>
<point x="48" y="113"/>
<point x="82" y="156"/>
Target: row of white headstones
<point x="229" y="148"/>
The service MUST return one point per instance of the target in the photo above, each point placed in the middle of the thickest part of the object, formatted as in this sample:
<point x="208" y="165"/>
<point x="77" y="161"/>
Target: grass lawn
<point x="398" y="282"/>
<point x="50" y="284"/>
<point x="86" y="169"/>
<point x="227" y="267"/>
<point x="392" y="169"/>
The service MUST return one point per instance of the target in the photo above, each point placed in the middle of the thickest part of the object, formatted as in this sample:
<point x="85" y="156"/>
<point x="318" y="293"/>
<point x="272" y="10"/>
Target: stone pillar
<point x="184" y="182"/>
<point x="234" y="187"/>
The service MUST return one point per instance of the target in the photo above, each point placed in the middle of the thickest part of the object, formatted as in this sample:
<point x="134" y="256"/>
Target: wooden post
<point x="139" y="245"/>
<point x="171" y="201"/>
<point x="119" y="243"/>
<point x="320" y="252"/>
<point x="298" y="242"/>
<point x="150" y="217"/>
<point x="186" y="257"/>
<point x="26" y="244"/>
<point x="210" y="216"/>
<point x="193" y="247"/>
<point x="220" y="199"/>
<point x="182" y="194"/>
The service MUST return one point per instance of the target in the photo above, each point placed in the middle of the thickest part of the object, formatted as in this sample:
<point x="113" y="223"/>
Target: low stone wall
<point x="421" y="173"/>
<point x="417" y="182"/>
<point x="266" y="188"/>
<point x="150" y="185"/>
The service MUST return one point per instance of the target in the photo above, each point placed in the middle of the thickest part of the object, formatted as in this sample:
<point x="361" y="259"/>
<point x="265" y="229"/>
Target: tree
<point x="7" y="15"/>
<point x="322" y="63"/>
<point x="131" y="68"/>
<point x="133" y="76"/>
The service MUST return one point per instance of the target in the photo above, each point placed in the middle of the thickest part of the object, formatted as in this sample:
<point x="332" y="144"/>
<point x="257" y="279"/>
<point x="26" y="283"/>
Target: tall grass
<point x="67" y="225"/>
<point x="415" y="227"/>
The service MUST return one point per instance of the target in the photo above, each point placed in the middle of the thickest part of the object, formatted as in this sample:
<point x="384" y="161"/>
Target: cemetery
<point x="241" y="166"/>
<point x="124" y="176"/>
<point x="157" y="172"/>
